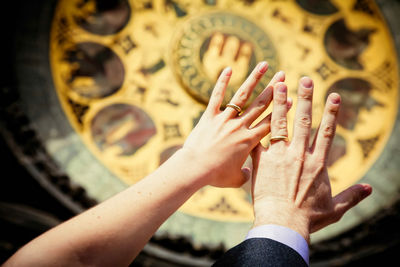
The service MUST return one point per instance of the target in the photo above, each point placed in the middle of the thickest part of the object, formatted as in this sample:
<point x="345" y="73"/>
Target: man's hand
<point x="290" y="179"/>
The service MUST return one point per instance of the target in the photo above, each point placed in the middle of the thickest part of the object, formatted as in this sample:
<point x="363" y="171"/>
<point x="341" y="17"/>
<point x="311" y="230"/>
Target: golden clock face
<point x="211" y="41"/>
<point x="133" y="78"/>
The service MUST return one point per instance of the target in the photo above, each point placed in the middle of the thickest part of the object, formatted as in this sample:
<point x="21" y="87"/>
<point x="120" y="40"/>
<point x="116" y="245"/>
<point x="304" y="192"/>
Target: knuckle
<point x="224" y="81"/>
<point x="305" y="96"/>
<point x="333" y="109"/>
<point x="280" y="100"/>
<point x="328" y="131"/>
<point x="258" y="75"/>
<point x="304" y="122"/>
<point x="242" y="97"/>
<point x="280" y="124"/>
<point x="262" y="102"/>
<point x="241" y="100"/>
<point x="217" y="93"/>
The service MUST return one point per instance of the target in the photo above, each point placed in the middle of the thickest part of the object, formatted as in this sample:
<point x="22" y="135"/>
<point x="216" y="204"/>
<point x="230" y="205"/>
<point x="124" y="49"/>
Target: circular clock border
<point x="28" y="76"/>
<point x="264" y="50"/>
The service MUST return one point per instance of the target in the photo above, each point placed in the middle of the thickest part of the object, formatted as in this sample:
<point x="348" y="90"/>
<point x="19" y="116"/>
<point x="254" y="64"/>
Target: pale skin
<point x="115" y="231"/>
<point x="291" y="185"/>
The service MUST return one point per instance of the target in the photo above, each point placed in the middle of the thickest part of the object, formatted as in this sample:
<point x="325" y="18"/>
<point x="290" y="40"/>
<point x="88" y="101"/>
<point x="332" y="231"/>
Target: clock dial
<point x="220" y="39"/>
<point x="133" y="78"/>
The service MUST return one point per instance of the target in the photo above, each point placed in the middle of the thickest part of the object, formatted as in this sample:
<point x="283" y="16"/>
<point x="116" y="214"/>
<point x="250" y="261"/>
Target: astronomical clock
<point x="119" y="85"/>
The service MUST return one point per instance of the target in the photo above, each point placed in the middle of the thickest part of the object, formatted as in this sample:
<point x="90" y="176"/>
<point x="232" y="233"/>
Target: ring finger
<point x="279" y="112"/>
<point x="244" y="92"/>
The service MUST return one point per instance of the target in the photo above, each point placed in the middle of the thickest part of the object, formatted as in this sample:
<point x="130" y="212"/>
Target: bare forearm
<point x="115" y="231"/>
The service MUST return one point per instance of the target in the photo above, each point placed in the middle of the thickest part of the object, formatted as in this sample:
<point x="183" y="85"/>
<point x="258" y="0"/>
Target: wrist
<point x="204" y="168"/>
<point x="283" y="214"/>
<point x="196" y="173"/>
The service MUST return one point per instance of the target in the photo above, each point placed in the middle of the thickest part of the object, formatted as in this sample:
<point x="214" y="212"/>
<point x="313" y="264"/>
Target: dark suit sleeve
<point x="256" y="252"/>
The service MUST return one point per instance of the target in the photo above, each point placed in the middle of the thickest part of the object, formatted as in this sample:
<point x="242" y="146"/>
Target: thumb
<point x="246" y="173"/>
<point x="349" y="198"/>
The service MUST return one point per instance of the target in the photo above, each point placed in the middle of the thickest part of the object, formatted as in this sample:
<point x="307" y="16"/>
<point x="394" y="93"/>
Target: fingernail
<point x="228" y="71"/>
<point x="280" y="76"/>
<point x="263" y="67"/>
<point x="335" y="98"/>
<point x="367" y="189"/>
<point x="306" y="82"/>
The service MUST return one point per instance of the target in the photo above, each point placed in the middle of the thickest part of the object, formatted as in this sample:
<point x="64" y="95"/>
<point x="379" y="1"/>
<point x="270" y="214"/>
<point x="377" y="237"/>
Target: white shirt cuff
<point x="283" y="235"/>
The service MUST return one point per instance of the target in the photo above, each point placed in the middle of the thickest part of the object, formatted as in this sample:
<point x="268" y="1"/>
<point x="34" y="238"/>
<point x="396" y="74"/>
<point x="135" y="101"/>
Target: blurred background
<point x="97" y="94"/>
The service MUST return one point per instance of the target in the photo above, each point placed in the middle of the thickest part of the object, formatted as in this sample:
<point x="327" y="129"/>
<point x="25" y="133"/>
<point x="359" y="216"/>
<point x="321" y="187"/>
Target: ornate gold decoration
<point x="132" y="78"/>
<point x="220" y="39"/>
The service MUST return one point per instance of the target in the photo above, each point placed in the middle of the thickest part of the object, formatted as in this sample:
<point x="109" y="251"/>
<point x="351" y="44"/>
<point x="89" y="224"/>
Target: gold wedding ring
<point x="235" y="107"/>
<point x="278" y="138"/>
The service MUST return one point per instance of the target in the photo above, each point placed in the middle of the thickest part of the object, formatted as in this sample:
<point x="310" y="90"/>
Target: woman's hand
<point x="290" y="179"/>
<point x="222" y="140"/>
